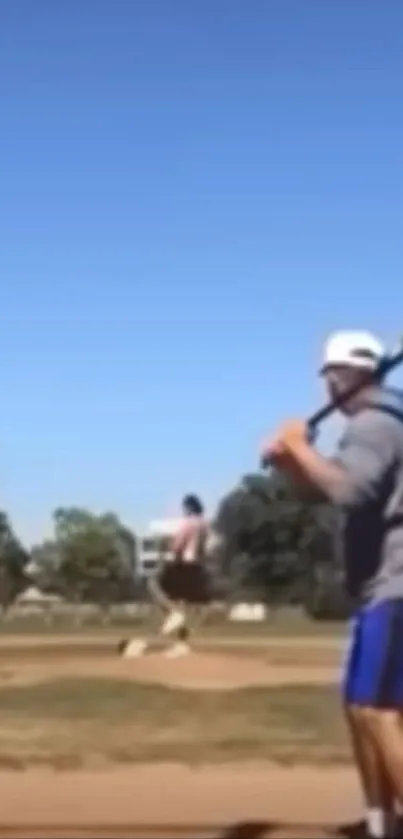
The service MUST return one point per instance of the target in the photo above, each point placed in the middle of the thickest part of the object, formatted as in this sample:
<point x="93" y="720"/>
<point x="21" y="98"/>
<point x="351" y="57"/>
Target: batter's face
<point x="340" y="378"/>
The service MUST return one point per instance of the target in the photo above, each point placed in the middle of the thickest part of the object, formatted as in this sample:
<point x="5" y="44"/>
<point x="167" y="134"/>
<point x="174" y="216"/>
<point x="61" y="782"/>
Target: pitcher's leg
<point x="159" y="587"/>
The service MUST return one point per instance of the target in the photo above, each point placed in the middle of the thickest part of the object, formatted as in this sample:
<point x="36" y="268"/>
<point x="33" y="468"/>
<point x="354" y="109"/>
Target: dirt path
<point x="255" y="800"/>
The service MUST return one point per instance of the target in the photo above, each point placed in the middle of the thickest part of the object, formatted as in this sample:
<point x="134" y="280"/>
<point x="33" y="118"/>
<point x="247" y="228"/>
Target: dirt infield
<point x="199" y="671"/>
<point x="220" y="663"/>
<point x="235" y="801"/>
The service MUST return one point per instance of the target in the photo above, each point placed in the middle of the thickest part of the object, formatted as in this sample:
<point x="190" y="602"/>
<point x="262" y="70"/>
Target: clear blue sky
<point x="192" y="194"/>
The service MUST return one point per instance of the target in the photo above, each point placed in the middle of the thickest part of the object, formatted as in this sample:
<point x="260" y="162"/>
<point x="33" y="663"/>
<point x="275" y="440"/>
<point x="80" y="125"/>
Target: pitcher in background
<point x="182" y="581"/>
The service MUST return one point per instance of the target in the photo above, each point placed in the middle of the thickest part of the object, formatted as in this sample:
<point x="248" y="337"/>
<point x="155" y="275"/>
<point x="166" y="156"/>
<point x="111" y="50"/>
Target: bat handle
<point x="312" y="431"/>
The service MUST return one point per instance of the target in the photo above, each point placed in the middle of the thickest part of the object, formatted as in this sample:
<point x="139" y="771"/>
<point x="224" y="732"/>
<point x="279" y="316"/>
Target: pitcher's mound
<point x="214" y="671"/>
<point x="208" y="671"/>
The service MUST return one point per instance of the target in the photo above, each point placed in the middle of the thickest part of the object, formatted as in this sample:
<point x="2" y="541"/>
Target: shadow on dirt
<point x="240" y="830"/>
<point x="266" y="830"/>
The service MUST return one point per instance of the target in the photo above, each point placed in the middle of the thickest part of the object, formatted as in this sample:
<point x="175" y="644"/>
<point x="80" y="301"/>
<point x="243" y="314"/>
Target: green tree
<point x="44" y="567"/>
<point x="279" y="547"/>
<point x="13" y="563"/>
<point x="92" y="557"/>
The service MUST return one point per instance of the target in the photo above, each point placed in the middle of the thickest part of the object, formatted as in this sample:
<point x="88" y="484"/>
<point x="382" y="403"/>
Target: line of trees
<point x="93" y="558"/>
<point x="294" y="557"/>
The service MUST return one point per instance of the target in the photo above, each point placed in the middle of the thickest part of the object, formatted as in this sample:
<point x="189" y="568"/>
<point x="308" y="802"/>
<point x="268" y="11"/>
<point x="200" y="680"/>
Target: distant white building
<point x="33" y="596"/>
<point x="154" y="545"/>
<point x="165" y="527"/>
<point x="248" y="612"/>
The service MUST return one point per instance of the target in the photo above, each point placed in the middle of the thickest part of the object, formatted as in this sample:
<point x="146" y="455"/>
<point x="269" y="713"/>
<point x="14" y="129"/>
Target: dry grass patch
<point x="73" y="722"/>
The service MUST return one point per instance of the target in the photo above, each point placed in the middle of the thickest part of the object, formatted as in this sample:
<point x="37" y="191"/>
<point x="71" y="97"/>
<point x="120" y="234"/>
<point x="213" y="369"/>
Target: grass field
<point x="66" y="700"/>
<point x="284" y="622"/>
<point x="76" y="722"/>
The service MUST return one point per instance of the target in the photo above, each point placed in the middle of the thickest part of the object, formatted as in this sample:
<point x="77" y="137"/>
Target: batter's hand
<point x="290" y="436"/>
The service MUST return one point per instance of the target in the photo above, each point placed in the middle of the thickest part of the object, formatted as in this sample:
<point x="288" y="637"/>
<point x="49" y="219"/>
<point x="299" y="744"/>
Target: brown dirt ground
<point x="232" y="801"/>
<point x="247" y="801"/>
<point x="200" y="671"/>
<point x="28" y="642"/>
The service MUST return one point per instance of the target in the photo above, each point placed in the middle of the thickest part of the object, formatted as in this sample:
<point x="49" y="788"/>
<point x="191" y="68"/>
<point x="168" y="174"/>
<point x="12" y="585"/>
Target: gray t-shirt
<point x="370" y="504"/>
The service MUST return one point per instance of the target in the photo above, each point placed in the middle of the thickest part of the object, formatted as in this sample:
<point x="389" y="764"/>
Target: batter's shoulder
<point x="374" y="429"/>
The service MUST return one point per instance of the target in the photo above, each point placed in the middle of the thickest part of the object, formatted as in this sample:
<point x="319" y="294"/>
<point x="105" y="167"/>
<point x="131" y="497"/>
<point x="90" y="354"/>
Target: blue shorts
<point x="374" y="672"/>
